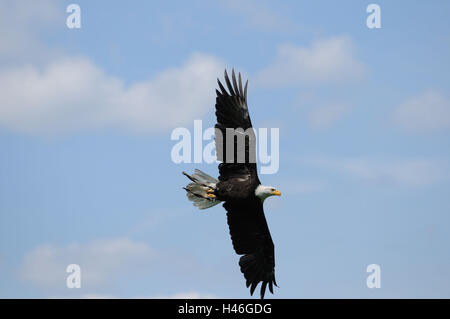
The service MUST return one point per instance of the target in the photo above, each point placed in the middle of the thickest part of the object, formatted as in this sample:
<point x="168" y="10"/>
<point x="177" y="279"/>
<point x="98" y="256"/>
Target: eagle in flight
<point x="238" y="186"/>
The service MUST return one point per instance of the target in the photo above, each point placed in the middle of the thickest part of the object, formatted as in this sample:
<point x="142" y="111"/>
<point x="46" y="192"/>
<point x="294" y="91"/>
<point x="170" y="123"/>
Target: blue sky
<point x="86" y="175"/>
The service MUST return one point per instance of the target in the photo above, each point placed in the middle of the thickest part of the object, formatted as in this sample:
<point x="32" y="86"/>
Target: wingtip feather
<point x="253" y="287"/>
<point x="245" y="91"/>
<point x="241" y="92"/>
<point x="263" y="289"/>
<point x="227" y="80"/>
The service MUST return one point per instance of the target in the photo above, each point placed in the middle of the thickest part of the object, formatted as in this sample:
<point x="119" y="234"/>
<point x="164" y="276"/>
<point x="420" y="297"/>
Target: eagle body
<point x="238" y="188"/>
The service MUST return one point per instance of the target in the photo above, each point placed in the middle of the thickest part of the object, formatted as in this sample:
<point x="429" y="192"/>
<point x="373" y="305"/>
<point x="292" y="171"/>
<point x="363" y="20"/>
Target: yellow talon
<point x="211" y="196"/>
<point x="210" y="191"/>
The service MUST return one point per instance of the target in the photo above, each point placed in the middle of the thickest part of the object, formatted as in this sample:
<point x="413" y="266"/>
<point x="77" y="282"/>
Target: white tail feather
<point x="197" y="190"/>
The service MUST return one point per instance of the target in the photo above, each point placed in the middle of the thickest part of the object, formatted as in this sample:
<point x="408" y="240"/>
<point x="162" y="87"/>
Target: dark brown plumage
<point x="236" y="186"/>
<point x="248" y="227"/>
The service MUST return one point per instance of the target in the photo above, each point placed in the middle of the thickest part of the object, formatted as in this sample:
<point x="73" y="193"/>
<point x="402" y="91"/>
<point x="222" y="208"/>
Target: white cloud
<point x="428" y="111"/>
<point x="99" y="261"/>
<point x="407" y="172"/>
<point x="18" y="32"/>
<point x="97" y="296"/>
<point x="86" y="296"/>
<point x="257" y="14"/>
<point x="326" y="61"/>
<point x="44" y="91"/>
<point x="70" y="94"/>
<point x="185" y="295"/>
<point x="325" y="115"/>
<point x="180" y="295"/>
<point x="73" y="93"/>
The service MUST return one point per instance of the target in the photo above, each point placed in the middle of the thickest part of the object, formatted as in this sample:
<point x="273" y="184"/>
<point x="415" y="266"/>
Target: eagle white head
<point x="265" y="191"/>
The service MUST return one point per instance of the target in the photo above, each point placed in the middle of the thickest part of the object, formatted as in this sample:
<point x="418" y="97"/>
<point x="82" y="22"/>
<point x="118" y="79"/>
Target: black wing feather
<point x="233" y="102"/>
<point x="248" y="226"/>
<point x="251" y="238"/>
<point x="230" y="87"/>
<point x="232" y="112"/>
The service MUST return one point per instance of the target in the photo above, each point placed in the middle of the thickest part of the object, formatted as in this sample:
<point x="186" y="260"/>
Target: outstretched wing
<point x="248" y="227"/>
<point x="232" y="114"/>
<point x="251" y="237"/>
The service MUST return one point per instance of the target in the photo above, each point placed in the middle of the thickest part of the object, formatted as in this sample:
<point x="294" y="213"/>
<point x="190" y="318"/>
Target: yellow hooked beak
<point x="276" y="192"/>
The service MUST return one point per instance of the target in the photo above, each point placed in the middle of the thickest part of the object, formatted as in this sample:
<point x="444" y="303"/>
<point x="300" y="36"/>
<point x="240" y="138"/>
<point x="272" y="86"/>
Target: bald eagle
<point x="239" y="188"/>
